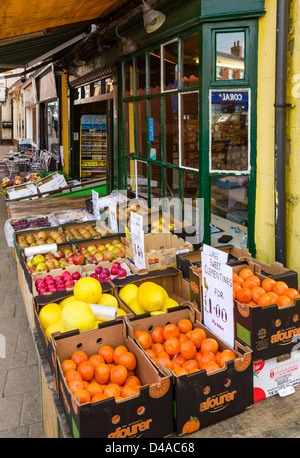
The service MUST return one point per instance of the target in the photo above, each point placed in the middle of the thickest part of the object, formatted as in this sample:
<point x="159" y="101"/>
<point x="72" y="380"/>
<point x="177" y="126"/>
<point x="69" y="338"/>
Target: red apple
<point x="65" y="275"/>
<point x="61" y="287"/>
<point x="48" y="277"/>
<point x="106" y="272"/>
<point x="94" y="276"/>
<point x="58" y="278"/>
<point x="78" y="259"/>
<point x="60" y="255"/>
<point x="70" y="282"/>
<point x="42" y="290"/>
<point x="38" y="281"/>
<point x="98" y="270"/>
<point x="52" y="289"/>
<point x="122" y="273"/>
<point x="116" y="265"/>
<point x="76" y="276"/>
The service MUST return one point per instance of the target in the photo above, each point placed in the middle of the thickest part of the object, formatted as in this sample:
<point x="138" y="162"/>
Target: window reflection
<point x="189" y="130"/>
<point x="140" y="74"/>
<point x="154" y="71"/>
<point x="190" y="61"/>
<point x="170" y="66"/>
<point x="171" y="129"/>
<point x="141" y="128"/>
<point x="128" y="79"/>
<point x="142" y="180"/>
<point x="155" y="180"/>
<point x="155" y="129"/>
<point x="230" y="62"/>
<point x="229" y="198"/>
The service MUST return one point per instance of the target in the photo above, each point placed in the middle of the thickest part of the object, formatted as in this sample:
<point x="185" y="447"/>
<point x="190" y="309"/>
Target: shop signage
<point x="137" y="237"/>
<point x="151" y="130"/>
<point x="217" y="294"/>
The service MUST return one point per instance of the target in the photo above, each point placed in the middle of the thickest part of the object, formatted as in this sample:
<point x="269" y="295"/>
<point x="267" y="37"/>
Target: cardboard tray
<point x="105" y="240"/>
<point x="202" y="399"/>
<point x="97" y="226"/>
<point x="148" y="414"/>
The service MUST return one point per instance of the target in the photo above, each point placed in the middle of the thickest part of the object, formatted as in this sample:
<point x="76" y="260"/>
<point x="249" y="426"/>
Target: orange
<point x="94" y="388"/>
<point x="251" y="282"/>
<point x="218" y="357"/>
<point x="75" y="385"/>
<point x="79" y="356"/>
<point x="68" y="364"/>
<point x="180" y="371"/>
<point x="112" y="390"/>
<point x="293" y="293"/>
<point x="151" y="353"/>
<point x="197" y="336"/>
<point x="273" y="296"/>
<point x="164" y="359"/>
<point x="184" y="325"/>
<point x="236" y="287"/>
<point x="157" y="347"/>
<point x="118" y="351"/>
<point x="252" y="303"/>
<point x="83" y="396"/>
<point x="137" y="333"/>
<point x="178" y="359"/>
<point x="98" y="397"/>
<point x="265" y="299"/>
<point x="188" y="349"/>
<point x="244" y="295"/>
<point x="170" y="330"/>
<point x="267" y="284"/>
<point x="86" y="370"/>
<point x="85" y="384"/>
<point x="72" y="374"/>
<point x="190" y="364"/>
<point x="245" y="273"/>
<point x="195" y="369"/>
<point x="157" y="335"/>
<point x="145" y="340"/>
<point x="280" y="287"/>
<point x="226" y="355"/>
<point x="209" y="344"/>
<point x="188" y="334"/>
<point x="107" y="352"/>
<point x="183" y="336"/>
<point x="237" y="279"/>
<point x="256" y="292"/>
<point x="198" y="357"/>
<point x="206" y="357"/>
<point x="96" y="359"/>
<point x="211" y="366"/>
<point x="129" y="390"/>
<point x="283" y="300"/>
<point x="132" y="380"/>
<point x="172" y="346"/>
<point x="102" y="372"/>
<point x="128" y="359"/>
<point x="118" y="374"/>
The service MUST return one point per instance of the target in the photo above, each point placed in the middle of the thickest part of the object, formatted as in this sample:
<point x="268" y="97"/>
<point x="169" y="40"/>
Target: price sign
<point x="217" y="294"/>
<point x="137" y="236"/>
<point x="95" y="200"/>
<point x="112" y="207"/>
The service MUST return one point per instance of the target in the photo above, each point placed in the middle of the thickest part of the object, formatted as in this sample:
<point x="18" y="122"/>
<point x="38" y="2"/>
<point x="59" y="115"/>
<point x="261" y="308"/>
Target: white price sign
<point x="137" y="236"/>
<point x="217" y="294"/>
<point x="112" y="207"/>
<point x="95" y="200"/>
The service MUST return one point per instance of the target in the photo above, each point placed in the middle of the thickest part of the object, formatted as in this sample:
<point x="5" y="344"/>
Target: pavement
<point x="20" y="397"/>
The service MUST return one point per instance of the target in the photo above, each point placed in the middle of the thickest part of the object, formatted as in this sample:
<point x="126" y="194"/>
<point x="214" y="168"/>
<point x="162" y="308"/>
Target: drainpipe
<point x="280" y="130"/>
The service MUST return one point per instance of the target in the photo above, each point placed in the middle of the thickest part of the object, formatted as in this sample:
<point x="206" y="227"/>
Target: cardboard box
<point x="52" y="182"/>
<point x="95" y="230"/>
<point x="202" y="399"/>
<point x="160" y="250"/>
<point x="170" y="279"/>
<point x="33" y="234"/>
<point x="130" y="268"/>
<point x="23" y="190"/>
<point x="276" y="376"/>
<point x="41" y="298"/>
<point x="91" y="243"/>
<point x="149" y="414"/>
<point x="268" y="331"/>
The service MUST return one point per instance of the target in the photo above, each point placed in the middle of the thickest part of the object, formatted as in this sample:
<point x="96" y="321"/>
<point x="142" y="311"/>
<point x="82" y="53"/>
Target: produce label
<point x="217" y="294"/>
<point x="137" y="235"/>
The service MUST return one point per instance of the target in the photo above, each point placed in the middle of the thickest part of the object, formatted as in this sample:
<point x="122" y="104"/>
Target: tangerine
<point x="172" y="346"/>
<point x="188" y="349"/>
<point x="145" y="340"/>
<point x="118" y="351"/>
<point x="118" y="374"/>
<point x="265" y="299"/>
<point x="79" y="356"/>
<point x="82" y="396"/>
<point x="293" y="293"/>
<point x="86" y="370"/>
<point x="157" y="335"/>
<point x="67" y="364"/>
<point x="75" y="385"/>
<point x="209" y="344"/>
<point x="283" y="300"/>
<point x="237" y="279"/>
<point x="251" y="282"/>
<point x="107" y="353"/>
<point x="206" y="357"/>
<point x="236" y="287"/>
<point x="132" y="380"/>
<point x="280" y="287"/>
<point x="267" y="284"/>
<point x="246" y="272"/>
<point x="164" y="359"/>
<point x="157" y="347"/>
<point x="112" y="390"/>
<point x="94" y="388"/>
<point x="102" y="373"/>
<point x="179" y="359"/>
<point x="130" y="390"/>
<point x="256" y="292"/>
<point x="197" y="336"/>
<point x="96" y="359"/>
<point x="244" y="295"/>
<point x="190" y="364"/>
<point x="72" y="374"/>
<point x="184" y="325"/>
<point x="178" y="371"/>
<point x="128" y="359"/>
<point x="98" y="397"/>
<point x="170" y="330"/>
<point x="151" y="353"/>
<point x="226" y="355"/>
<point x="211" y="366"/>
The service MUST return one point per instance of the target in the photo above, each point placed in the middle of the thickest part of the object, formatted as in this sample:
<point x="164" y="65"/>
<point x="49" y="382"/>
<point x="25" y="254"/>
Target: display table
<point x="225" y="225"/>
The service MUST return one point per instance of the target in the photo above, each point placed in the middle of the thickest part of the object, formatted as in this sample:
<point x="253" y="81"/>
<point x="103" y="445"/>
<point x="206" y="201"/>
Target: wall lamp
<point x="152" y="19"/>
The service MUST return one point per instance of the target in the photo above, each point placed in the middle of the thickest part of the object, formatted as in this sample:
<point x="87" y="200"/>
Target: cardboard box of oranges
<point x="211" y="381"/>
<point x="123" y="397"/>
<point x="266" y="312"/>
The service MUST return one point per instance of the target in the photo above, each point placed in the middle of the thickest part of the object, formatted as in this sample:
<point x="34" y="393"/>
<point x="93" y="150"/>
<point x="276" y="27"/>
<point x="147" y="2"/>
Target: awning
<point x="33" y="31"/>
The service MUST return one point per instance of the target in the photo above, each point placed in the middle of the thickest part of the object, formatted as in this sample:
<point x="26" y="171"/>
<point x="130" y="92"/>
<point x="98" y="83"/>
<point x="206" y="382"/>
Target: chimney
<point x="236" y="49"/>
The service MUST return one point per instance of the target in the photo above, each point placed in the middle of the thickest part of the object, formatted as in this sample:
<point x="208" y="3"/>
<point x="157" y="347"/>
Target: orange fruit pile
<point x="108" y="373"/>
<point x="183" y="348"/>
<point x="249" y="289"/>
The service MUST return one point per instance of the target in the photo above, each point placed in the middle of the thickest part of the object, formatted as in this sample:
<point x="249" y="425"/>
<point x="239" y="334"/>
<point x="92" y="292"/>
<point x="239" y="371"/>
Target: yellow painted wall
<point x="264" y="213"/>
<point x="65" y="122"/>
<point x="293" y="139"/>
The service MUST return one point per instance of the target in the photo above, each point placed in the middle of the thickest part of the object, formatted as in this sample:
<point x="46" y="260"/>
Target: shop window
<point x="190" y="194"/>
<point x="155" y="181"/>
<point x="154" y="123"/>
<point x="229" y="198"/>
<point x="140" y="74"/>
<point x="141" y="128"/>
<point x="131" y="178"/>
<point x="230" y="55"/>
<point x="129" y="129"/>
<point x="229" y="130"/>
<point x="189" y="120"/>
<point x="108" y="82"/>
<point x="86" y="91"/>
<point x="142" y="179"/>
<point x="190" y="61"/>
<point x="171" y="129"/>
<point x="96" y="88"/>
<point x="170" y="66"/>
<point x="154" y="71"/>
<point x="171" y="182"/>
<point x="128" y="78"/>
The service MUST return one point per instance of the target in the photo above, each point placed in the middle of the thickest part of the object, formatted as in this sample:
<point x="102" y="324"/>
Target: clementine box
<point x="200" y="398"/>
<point x="269" y="331"/>
<point x="148" y="414"/>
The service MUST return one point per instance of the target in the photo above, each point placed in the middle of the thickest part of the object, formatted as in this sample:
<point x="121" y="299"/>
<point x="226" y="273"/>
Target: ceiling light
<point x="152" y="19"/>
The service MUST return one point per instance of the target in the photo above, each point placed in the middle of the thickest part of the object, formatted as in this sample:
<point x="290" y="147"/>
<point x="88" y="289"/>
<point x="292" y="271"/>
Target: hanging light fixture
<point x="152" y="19"/>
<point x="129" y="44"/>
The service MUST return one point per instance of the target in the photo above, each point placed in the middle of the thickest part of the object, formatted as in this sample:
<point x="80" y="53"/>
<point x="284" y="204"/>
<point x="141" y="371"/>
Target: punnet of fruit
<point x="76" y="311"/>
<point x="249" y="289"/>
